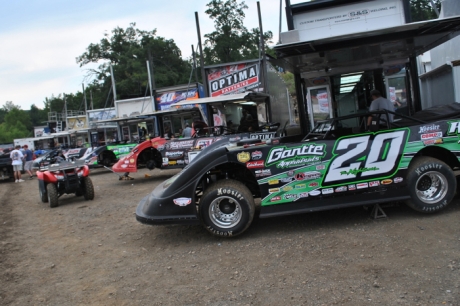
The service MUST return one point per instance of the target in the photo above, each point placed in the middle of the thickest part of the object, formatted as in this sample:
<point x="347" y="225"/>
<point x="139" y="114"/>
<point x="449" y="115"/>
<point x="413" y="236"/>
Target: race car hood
<point x="174" y="199"/>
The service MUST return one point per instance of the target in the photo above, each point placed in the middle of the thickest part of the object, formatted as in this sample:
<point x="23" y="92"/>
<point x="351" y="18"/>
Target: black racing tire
<point x="107" y="161"/>
<point x="227" y="208"/>
<point x="88" y="189"/>
<point x="43" y="195"/>
<point x="431" y="183"/>
<point x="53" y="196"/>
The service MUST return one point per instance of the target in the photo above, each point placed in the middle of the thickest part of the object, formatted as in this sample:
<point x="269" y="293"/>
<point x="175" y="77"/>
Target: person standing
<point x="28" y="157"/>
<point x="16" y="158"/>
<point x="187" y="132"/>
<point x="380" y="103"/>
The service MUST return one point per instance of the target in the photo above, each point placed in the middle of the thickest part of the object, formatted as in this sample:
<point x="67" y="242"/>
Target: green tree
<point x="127" y="51"/>
<point x="231" y="41"/>
<point x="9" y="105"/>
<point x="38" y="116"/>
<point x="17" y="125"/>
<point x="422" y="9"/>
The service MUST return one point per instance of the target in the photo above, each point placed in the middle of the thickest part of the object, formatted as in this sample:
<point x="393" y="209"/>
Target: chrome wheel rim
<point x="431" y="187"/>
<point x="225" y="212"/>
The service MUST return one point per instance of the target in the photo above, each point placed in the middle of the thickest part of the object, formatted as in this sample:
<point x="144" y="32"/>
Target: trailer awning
<point x="373" y="49"/>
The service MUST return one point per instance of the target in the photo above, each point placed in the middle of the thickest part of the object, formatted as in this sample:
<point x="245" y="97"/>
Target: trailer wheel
<point x="227" y="208"/>
<point x="431" y="183"/>
<point x="53" y="196"/>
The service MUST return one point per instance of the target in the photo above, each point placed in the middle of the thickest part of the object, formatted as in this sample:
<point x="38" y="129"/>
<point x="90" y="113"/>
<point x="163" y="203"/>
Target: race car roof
<point x="379" y="47"/>
<point x="241" y="97"/>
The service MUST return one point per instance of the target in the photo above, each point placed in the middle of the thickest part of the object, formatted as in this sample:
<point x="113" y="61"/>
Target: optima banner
<point x="232" y="79"/>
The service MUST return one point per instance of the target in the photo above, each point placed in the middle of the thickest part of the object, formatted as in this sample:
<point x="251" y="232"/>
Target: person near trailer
<point x="16" y="161"/>
<point x="187" y="132"/>
<point x="28" y="157"/>
<point x="380" y="103"/>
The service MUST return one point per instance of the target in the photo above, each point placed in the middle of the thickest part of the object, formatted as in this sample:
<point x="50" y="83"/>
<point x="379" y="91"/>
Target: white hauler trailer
<point x="34" y="143"/>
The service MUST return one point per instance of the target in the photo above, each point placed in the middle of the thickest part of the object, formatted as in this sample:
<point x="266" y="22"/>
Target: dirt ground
<point x="95" y="252"/>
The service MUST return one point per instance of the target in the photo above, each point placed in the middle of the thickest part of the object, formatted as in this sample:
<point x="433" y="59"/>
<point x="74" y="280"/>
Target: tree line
<point x="127" y="50"/>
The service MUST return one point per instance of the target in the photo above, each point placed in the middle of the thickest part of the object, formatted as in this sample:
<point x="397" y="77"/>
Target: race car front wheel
<point x="227" y="208"/>
<point x="431" y="183"/>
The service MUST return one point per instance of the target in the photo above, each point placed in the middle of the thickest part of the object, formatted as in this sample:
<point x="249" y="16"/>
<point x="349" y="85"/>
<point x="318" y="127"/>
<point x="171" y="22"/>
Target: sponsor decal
<point x="315" y="192"/>
<point x="352" y="187"/>
<point x="290" y="173"/>
<point x="397" y="180"/>
<point x="224" y="191"/>
<point x="286" y="179"/>
<point x="313" y="184"/>
<point x="275" y="141"/>
<point x="327" y="190"/>
<point x="124" y="166"/>
<point x="165" y="160"/>
<point x="303" y="195"/>
<point x="374" y="184"/>
<point x="174" y="154"/>
<point x="273" y="182"/>
<point x="263" y="172"/>
<point x="161" y="148"/>
<point x="320" y="167"/>
<point x="256" y="155"/>
<point x="454" y="127"/>
<point x="172" y="162"/>
<point x="355" y="171"/>
<point x="255" y="164"/>
<point x="273" y="190"/>
<point x="184" y="144"/>
<point x="126" y="162"/>
<point x="432" y="141"/>
<point x="132" y="160"/>
<point x="431" y="135"/>
<point x="429" y="128"/>
<point x="182" y="201"/>
<point x="341" y="189"/>
<point x="262" y="136"/>
<point x="228" y="79"/>
<point x="387" y="182"/>
<point x="285" y="157"/>
<point x="243" y="157"/>
<point x="361" y="185"/>
<point x="301" y="186"/>
<point x="290" y="197"/>
<point x="275" y="199"/>
<point x="203" y="143"/>
<point x="234" y="139"/>
<point x="180" y="162"/>
<point x="287" y="188"/>
<point x="300" y="176"/>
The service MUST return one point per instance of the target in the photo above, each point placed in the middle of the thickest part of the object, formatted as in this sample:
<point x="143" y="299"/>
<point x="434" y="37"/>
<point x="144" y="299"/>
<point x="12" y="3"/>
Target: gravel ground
<point x="95" y="252"/>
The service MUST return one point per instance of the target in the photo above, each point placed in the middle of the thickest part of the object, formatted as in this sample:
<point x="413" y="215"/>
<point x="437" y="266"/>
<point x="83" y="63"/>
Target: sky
<point x="42" y="38"/>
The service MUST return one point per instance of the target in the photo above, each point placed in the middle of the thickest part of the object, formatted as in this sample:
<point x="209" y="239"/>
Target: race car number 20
<point x="365" y="158"/>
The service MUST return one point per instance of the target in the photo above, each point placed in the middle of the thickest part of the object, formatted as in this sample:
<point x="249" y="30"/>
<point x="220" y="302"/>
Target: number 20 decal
<point x="363" y="158"/>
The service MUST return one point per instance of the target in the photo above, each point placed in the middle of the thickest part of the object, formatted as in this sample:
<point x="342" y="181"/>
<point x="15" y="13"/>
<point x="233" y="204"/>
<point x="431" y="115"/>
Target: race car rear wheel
<point x="88" y="191"/>
<point x="431" y="183"/>
<point x="53" y="196"/>
<point x="227" y="208"/>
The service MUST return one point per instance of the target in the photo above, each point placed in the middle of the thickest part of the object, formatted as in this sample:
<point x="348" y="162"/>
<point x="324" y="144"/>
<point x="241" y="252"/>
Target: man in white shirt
<point x="16" y="158"/>
<point x="380" y="103"/>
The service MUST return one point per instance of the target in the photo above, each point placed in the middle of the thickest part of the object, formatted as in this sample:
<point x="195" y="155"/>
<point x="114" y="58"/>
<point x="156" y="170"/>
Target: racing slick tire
<point x="431" y="183"/>
<point x="88" y="191"/>
<point x="227" y="208"/>
<point x="43" y="195"/>
<point x="53" y="196"/>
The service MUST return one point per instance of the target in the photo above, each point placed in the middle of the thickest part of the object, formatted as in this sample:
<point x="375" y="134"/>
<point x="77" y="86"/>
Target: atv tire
<point x="53" y="196"/>
<point x="227" y="208"/>
<point x="88" y="189"/>
<point x="431" y="183"/>
<point x="43" y="195"/>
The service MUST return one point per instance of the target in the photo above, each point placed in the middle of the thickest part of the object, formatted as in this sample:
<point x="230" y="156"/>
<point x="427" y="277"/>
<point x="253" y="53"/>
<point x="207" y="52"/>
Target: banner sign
<point x="164" y="100"/>
<point x="232" y="79"/>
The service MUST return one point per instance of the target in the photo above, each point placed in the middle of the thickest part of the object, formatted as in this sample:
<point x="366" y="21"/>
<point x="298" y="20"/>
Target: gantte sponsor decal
<point x="431" y="135"/>
<point x="256" y="155"/>
<point x="289" y="157"/>
<point x="255" y="164"/>
<point x="234" y="81"/>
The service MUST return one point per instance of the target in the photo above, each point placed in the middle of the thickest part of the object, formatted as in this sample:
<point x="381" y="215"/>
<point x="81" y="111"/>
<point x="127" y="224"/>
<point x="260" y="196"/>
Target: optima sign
<point x="232" y="79"/>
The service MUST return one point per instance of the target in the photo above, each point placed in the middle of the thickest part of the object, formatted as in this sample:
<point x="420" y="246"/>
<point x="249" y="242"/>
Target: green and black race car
<point x="343" y="162"/>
